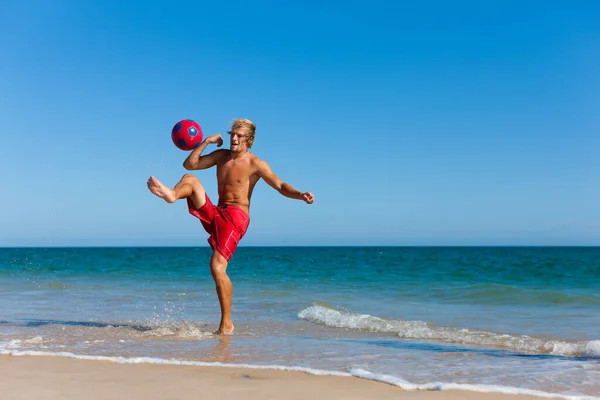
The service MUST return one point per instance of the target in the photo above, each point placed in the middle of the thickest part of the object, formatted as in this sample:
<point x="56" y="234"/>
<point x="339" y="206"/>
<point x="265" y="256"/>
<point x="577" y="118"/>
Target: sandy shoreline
<point x="39" y="377"/>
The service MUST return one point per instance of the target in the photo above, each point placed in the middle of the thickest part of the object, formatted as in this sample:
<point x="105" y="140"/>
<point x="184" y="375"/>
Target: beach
<point x="395" y="321"/>
<point x="31" y="377"/>
<point x="405" y="200"/>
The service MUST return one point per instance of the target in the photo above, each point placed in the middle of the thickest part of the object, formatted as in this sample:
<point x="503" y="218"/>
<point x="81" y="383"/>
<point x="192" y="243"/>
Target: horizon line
<point x="300" y="246"/>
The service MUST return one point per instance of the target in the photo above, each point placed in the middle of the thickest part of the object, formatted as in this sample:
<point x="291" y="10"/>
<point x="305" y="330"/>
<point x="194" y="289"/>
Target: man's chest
<point x="234" y="172"/>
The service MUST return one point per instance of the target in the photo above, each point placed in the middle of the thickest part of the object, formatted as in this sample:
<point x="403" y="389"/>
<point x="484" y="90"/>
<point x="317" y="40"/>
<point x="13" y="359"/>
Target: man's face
<point x="238" y="140"/>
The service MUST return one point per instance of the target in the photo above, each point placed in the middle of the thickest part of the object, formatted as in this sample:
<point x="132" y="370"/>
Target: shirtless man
<point x="238" y="170"/>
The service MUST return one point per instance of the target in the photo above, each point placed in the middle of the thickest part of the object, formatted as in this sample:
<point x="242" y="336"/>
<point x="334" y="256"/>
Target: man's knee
<point x="218" y="265"/>
<point x="197" y="195"/>
<point x="189" y="177"/>
<point x="193" y="181"/>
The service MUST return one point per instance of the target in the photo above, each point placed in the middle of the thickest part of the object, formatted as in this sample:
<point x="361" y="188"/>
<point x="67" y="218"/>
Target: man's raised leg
<point x="188" y="186"/>
<point x="218" y="269"/>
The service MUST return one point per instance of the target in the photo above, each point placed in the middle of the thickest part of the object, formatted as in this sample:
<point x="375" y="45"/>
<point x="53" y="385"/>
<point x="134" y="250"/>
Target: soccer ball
<point x="186" y="134"/>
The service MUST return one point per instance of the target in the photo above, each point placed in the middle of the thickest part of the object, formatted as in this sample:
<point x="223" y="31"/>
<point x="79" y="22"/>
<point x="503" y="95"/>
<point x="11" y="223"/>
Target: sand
<point x="41" y="377"/>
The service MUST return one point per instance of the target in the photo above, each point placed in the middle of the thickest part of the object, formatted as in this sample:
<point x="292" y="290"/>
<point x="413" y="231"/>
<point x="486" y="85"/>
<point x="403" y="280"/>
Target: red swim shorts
<point x="225" y="224"/>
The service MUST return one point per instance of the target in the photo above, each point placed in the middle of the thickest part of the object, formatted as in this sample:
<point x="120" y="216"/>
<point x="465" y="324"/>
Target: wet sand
<point x="54" y="378"/>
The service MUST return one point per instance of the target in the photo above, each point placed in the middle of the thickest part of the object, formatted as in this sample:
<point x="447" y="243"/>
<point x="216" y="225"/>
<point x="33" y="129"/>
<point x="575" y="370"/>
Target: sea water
<point x="501" y="319"/>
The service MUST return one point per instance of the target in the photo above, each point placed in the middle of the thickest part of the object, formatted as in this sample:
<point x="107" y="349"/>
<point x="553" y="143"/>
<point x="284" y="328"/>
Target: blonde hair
<point x="246" y="124"/>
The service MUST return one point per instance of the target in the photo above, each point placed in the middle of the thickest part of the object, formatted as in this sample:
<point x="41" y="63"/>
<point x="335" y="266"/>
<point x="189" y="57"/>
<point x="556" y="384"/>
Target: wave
<point x="426" y="331"/>
<point x="355" y="372"/>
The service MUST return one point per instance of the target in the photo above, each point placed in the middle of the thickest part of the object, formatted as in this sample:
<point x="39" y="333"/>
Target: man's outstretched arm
<point x="197" y="161"/>
<point x="265" y="172"/>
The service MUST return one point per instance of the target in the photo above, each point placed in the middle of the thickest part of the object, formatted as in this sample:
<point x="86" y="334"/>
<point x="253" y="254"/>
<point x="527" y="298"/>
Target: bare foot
<point x="161" y="190"/>
<point x="225" y="329"/>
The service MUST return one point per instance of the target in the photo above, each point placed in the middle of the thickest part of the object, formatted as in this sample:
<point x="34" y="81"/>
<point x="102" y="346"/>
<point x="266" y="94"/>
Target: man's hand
<point x="216" y="138"/>
<point x="308" y="197"/>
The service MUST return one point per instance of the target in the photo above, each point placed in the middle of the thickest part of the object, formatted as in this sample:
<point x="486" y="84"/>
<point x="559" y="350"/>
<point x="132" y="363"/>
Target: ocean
<point x="492" y="319"/>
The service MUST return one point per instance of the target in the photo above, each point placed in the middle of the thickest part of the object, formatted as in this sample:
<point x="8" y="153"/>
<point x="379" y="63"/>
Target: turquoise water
<point x="497" y="318"/>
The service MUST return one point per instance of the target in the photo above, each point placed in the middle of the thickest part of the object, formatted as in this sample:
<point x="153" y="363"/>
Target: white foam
<point x="150" y="360"/>
<point x="15" y="343"/>
<point x="422" y="330"/>
<point x="34" y="340"/>
<point x="393" y="380"/>
<point x="592" y="349"/>
<point x="356" y="372"/>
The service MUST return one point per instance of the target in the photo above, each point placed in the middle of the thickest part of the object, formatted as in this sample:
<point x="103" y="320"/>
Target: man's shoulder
<point x="255" y="160"/>
<point x="221" y="153"/>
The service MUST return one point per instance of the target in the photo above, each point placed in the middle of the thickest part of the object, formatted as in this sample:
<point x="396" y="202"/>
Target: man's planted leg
<point x="218" y="269"/>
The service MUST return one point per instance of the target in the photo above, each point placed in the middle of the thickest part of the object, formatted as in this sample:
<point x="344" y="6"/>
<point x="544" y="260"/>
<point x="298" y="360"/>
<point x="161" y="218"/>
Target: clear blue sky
<point x="413" y="123"/>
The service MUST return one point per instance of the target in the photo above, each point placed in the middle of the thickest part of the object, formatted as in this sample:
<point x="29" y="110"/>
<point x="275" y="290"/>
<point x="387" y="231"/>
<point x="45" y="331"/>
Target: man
<point x="238" y="170"/>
